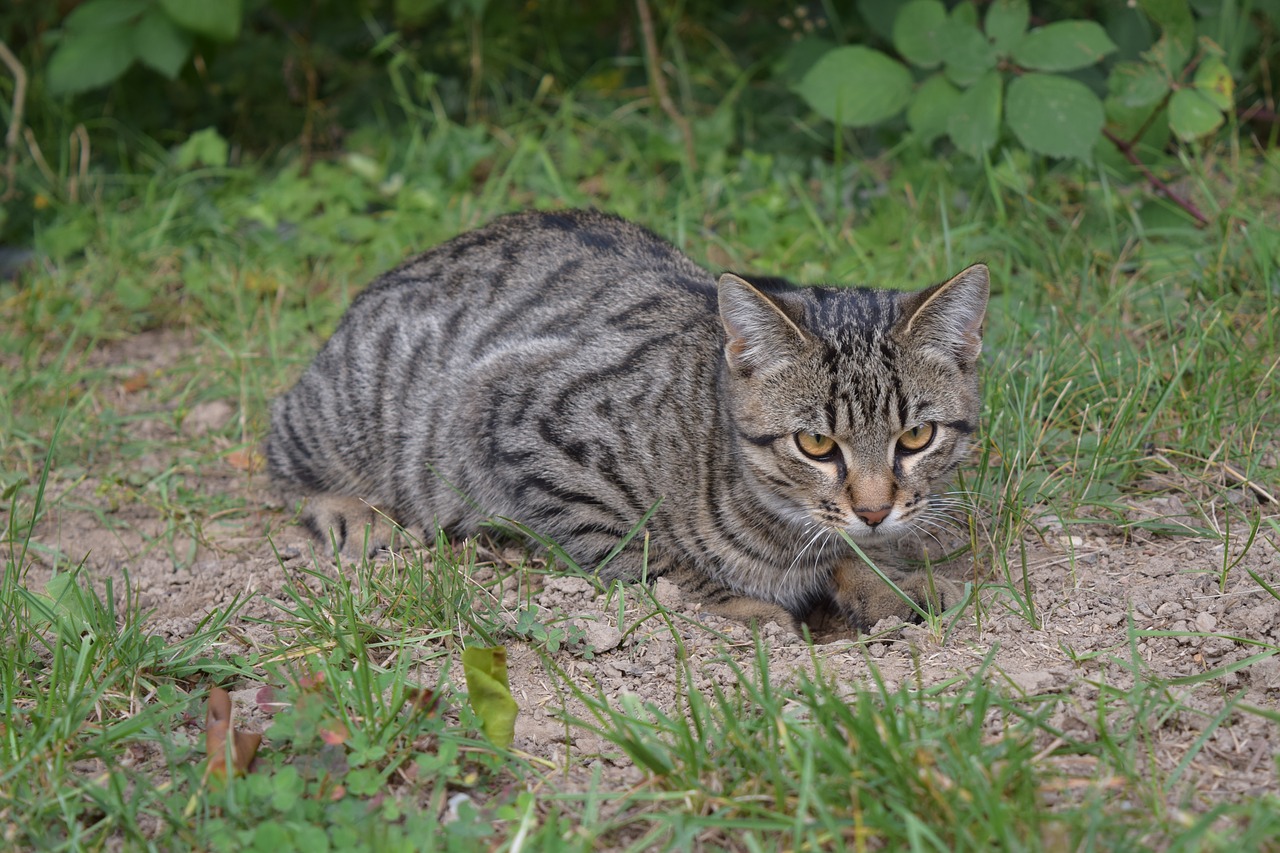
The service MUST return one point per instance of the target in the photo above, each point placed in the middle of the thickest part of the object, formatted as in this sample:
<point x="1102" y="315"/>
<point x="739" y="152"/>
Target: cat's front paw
<point x="863" y="599"/>
<point x="352" y="527"/>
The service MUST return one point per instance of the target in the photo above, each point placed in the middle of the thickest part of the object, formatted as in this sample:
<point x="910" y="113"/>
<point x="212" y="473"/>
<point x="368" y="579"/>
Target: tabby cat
<point x="570" y="371"/>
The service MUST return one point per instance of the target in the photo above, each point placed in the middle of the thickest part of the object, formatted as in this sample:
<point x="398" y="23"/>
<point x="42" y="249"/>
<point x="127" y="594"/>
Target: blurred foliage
<point x="255" y="80"/>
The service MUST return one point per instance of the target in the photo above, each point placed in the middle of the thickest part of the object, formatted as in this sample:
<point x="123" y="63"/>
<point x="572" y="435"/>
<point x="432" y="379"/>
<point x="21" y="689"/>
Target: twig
<point x="79" y="152"/>
<point x="1161" y="188"/>
<point x="659" y="83"/>
<point x="1260" y="113"/>
<point x="15" y="119"/>
<point x="38" y="157"/>
<point x="1229" y="472"/>
<point x="1241" y="480"/>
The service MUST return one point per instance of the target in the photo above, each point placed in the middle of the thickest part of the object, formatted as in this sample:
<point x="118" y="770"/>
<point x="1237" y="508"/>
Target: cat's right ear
<point x="757" y="333"/>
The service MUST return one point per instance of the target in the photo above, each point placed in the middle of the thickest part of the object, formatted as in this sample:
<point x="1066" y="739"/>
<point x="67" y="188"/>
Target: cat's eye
<point x="916" y="439"/>
<point x="815" y="445"/>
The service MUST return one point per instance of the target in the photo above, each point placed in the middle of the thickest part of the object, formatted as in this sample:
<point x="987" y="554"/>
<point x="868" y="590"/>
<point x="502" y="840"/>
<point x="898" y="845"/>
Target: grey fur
<point x="571" y="370"/>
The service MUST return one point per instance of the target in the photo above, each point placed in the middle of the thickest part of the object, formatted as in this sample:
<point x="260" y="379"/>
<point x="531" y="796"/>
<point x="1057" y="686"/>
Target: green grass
<point x="1128" y="353"/>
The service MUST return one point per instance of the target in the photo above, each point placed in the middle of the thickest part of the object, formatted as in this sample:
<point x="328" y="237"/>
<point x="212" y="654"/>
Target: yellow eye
<point x="916" y="439"/>
<point x="815" y="445"/>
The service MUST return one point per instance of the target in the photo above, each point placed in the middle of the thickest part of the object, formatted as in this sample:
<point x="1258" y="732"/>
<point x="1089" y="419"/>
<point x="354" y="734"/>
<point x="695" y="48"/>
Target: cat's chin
<point x="881" y="533"/>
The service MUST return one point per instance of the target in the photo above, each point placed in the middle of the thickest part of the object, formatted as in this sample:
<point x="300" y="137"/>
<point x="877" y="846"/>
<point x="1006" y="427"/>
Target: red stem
<point x="1161" y="188"/>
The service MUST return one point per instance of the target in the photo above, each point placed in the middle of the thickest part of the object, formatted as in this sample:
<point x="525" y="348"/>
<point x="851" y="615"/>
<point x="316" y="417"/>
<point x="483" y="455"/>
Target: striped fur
<point x="569" y="371"/>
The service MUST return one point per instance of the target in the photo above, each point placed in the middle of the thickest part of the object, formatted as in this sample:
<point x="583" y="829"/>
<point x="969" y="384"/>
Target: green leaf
<point x="935" y="102"/>
<point x="966" y="53"/>
<point x="203" y="148"/>
<point x="160" y="45"/>
<point x="486" y="673"/>
<point x="1064" y="46"/>
<point x="856" y="86"/>
<point x="1213" y="80"/>
<point x="974" y="125"/>
<point x="89" y="59"/>
<point x="67" y="601"/>
<point x="1006" y="23"/>
<point x="966" y="14"/>
<point x="1169" y="54"/>
<point x="920" y="31"/>
<point x="1054" y="115"/>
<point x="1175" y="20"/>
<point x="799" y="57"/>
<point x="1137" y="84"/>
<point x="414" y="11"/>
<point x="1192" y="115"/>
<point x="1125" y="122"/>
<point x="1131" y="30"/>
<point x="217" y="19"/>
<point x="104" y="14"/>
<point x="880" y="15"/>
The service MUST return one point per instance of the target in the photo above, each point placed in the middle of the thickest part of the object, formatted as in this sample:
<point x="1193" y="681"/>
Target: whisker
<point x="814" y="538"/>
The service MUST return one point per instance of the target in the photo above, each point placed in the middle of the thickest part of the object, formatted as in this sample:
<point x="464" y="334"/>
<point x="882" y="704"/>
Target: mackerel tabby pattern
<point x="571" y="371"/>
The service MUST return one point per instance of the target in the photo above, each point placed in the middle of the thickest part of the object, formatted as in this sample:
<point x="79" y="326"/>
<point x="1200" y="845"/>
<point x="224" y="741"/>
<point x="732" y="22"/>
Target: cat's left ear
<point x="949" y="316"/>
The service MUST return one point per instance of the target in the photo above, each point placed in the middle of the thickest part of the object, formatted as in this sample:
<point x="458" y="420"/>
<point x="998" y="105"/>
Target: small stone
<point x="207" y="417"/>
<point x="1040" y="681"/>
<point x="570" y="585"/>
<point x="1266" y="673"/>
<point x="668" y="594"/>
<point x="1206" y="622"/>
<point x="600" y="636"/>
<point x="1216" y="647"/>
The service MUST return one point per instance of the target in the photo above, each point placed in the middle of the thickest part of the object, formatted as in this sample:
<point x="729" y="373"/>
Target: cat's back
<point x="546" y="317"/>
<point x="528" y="268"/>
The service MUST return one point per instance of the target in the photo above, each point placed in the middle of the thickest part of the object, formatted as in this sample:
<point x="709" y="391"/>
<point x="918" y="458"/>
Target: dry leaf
<point x="311" y="682"/>
<point x="244" y="745"/>
<point x="135" y="383"/>
<point x="267" y="703"/>
<point x="334" y="734"/>
<point x="245" y="460"/>
<point x="422" y="700"/>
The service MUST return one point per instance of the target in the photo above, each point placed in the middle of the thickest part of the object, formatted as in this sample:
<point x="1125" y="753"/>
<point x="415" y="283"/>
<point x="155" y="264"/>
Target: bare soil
<point x="1091" y="584"/>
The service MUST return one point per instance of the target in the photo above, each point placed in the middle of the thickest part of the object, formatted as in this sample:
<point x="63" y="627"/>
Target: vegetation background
<point x="192" y="192"/>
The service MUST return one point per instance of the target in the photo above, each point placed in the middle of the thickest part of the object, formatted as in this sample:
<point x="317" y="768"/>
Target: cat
<point x="572" y="371"/>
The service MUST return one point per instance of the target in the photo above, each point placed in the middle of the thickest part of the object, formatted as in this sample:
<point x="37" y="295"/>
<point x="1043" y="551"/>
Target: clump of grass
<point x="823" y="765"/>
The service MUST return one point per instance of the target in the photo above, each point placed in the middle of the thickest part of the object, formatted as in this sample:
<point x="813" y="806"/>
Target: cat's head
<point x="853" y="407"/>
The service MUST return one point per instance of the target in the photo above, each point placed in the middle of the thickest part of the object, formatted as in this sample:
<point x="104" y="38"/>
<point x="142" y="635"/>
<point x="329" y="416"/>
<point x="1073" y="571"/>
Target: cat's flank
<point x="571" y="371"/>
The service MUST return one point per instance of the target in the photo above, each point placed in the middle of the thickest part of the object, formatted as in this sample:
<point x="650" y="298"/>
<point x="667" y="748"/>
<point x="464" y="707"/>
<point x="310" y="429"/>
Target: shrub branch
<point x="15" y="119"/>
<point x="659" y="84"/>
<point x="1125" y="147"/>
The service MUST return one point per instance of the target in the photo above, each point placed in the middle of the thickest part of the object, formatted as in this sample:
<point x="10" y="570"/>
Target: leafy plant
<point x="101" y="39"/>
<point x="974" y="78"/>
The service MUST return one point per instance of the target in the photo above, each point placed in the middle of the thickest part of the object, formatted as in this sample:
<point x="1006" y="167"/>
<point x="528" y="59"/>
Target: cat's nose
<point x="873" y="517"/>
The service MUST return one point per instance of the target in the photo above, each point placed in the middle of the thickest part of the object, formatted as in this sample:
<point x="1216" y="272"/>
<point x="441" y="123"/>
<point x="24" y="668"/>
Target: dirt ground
<point x="1087" y="581"/>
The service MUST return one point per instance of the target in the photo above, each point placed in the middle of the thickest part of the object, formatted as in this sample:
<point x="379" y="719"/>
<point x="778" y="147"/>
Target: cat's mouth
<point x="890" y="528"/>
<point x="883" y="526"/>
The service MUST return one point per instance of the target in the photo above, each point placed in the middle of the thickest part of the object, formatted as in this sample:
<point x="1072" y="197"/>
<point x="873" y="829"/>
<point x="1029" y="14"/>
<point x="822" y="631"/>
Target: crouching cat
<point x="571" y="372"/>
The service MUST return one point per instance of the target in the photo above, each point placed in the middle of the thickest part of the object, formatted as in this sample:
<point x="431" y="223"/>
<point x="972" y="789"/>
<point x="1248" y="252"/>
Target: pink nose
<point x="873" y="517"/>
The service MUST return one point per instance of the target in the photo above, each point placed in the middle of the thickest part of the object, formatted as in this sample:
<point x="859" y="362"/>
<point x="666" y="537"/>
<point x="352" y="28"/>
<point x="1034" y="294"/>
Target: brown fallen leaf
<point x="267" y="702"/>
<point x="245" y="460"/>
<point x="135" y="383"/>
<point x="311" y="682"/>
<point x="422" y="700"/>
<point x="334" y="733"/>
<point x="244" y="745"/>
